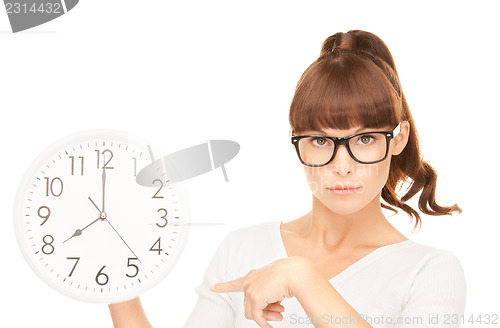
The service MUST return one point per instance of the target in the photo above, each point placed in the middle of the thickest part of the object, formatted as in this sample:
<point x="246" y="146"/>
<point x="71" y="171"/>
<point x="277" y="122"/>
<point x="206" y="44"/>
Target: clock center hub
<point x="103" y="216"/>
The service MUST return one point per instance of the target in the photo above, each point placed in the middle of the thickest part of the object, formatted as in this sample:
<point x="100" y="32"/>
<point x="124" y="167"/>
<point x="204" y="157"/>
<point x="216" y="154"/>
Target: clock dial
<point x="88" y="229"/>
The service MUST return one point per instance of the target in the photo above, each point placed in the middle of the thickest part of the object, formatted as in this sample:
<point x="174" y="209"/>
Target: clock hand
<point x="123" y="240"/>
<point x="78" y="232"/>
<point x="103" y="187"/>
<point x="94" y="204"/>
<point x="103" y="215"/>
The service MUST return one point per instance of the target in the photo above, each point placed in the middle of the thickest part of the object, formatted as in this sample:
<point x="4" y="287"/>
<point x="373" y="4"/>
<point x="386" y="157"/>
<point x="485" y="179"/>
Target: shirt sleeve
<point x="213" y="310"/>
<point x="437" y="295"/>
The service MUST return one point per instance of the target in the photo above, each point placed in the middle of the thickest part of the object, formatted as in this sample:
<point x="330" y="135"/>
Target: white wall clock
<point x="88" y="229"/>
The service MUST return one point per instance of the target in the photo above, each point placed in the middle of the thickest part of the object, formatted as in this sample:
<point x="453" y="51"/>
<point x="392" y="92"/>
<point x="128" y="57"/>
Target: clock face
<point x="88" y="229"/>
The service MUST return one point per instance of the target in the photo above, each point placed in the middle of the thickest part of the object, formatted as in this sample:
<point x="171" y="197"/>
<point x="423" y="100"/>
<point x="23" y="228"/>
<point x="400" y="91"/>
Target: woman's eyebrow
<point x="324" y="132"/>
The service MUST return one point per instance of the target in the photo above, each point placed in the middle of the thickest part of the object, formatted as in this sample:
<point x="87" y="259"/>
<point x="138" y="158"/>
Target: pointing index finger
<point x="235" y="285"/>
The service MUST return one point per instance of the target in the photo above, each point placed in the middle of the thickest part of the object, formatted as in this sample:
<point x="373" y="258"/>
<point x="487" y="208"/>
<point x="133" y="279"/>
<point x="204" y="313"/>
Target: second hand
<point x="103" y="217"/>
<point x="123" y="240"/>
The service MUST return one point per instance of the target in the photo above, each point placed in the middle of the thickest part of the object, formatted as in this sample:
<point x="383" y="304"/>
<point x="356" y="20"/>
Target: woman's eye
<point x="365" y="140"/>
<point x="318" y="141"/>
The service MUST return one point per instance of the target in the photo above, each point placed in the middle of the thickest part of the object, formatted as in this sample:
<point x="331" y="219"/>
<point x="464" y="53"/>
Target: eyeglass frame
<point x="345" y="141"/>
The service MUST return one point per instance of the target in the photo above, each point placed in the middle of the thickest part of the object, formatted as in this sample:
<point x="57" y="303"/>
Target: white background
<point x="181" y="74"/>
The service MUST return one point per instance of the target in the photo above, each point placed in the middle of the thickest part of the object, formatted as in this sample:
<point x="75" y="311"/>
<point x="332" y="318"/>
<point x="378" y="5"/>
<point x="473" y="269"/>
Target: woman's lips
<point x="344" y="190"/>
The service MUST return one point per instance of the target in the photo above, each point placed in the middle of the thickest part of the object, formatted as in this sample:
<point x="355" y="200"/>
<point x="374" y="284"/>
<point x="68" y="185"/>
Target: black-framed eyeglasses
<point x="365" y="148"/>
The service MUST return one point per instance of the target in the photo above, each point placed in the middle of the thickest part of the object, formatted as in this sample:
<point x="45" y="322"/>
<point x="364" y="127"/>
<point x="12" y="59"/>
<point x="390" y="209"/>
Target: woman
<point x="343" y="263"/>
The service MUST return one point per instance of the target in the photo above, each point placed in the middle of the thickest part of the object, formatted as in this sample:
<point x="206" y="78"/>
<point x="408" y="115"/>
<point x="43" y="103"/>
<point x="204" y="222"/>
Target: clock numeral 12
<point x="104" y="158"/>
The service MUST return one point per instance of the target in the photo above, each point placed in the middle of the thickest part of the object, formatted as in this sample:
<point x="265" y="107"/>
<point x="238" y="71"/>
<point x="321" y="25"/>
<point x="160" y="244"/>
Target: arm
<point x="438" y="289"/>
<point x="129" y="314"/>
<point x="318" y="297"/>
<point x="438" y="293"/>
<point x="214" y="310"/>
<point x="288" y="277"/>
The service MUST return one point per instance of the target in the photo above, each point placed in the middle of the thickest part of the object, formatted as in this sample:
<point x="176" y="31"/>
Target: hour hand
<point x="78" y="232"/>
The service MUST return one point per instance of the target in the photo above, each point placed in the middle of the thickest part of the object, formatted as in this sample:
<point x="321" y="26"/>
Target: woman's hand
<point x="266" y="287"/>
<point x="129" y="314"/>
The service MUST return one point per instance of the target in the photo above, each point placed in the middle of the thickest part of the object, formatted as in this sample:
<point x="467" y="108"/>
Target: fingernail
<point x="212" y="287"/>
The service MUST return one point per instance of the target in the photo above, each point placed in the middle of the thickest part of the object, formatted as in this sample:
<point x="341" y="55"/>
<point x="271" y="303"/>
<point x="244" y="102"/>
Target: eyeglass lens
<point x="367" y="147"/>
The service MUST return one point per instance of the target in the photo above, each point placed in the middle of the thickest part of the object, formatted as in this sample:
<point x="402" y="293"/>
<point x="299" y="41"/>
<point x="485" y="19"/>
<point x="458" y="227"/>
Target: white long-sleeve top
<point x="406" y="284"/>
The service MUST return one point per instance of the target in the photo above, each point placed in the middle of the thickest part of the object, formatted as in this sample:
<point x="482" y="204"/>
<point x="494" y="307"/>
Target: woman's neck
<point x="328" y="230"/>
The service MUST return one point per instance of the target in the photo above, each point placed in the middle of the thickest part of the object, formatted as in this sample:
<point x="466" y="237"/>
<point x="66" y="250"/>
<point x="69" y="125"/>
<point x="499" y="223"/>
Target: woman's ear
<point x="401" y="139"/>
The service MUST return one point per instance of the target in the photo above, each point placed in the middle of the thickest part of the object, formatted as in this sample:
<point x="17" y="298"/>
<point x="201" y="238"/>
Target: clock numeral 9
<point x="164" y="218"/>
<point x="132" y="265"/>
<point x="46" y="216"/>
<point x="104" y="158"/>
<point x="50" y="187"/>
<point x="103" y="275"/>
<point x="47" y="247"/>
<point x="73" y="164"/>
<point x="156" y="249"/>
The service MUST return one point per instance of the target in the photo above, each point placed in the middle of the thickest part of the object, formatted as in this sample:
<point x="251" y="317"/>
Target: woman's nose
<point x="342" y="162"/>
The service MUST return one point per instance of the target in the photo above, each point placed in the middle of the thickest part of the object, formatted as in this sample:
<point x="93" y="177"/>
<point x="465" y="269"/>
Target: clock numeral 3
<point x="47" y="247"/>
<point x="132" y="265"/>
<point x="164" y="218"/>
<point x="159" y="249"/>
<point x="101" y="274"/>
<point x="50" y="187"/>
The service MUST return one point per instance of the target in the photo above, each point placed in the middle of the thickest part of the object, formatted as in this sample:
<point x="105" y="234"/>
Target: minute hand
<point x="103" y="213"/>
<point x="103" y="188"/>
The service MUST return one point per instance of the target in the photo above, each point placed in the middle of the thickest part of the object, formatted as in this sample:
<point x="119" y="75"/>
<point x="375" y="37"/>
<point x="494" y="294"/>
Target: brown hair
<point x="354" y="82"/>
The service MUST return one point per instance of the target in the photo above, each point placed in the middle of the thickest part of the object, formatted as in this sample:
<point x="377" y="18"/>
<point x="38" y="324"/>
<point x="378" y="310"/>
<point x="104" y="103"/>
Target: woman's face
<point x="343" y="170"/>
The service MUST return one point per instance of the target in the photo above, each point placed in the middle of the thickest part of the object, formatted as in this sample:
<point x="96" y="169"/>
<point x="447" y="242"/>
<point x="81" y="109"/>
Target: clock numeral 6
<point x="50" y="187"/>
<point x="132" y="265"/>
<point x="46" y="216"/>
<point x="47" y="247"/>
<point x="159" y="249"/>
<point x="163" y="217"/>
<point x="101" y="274"/>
